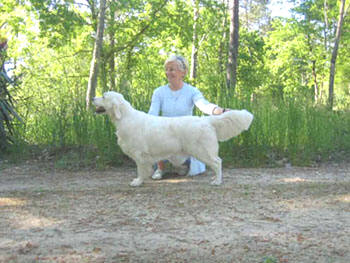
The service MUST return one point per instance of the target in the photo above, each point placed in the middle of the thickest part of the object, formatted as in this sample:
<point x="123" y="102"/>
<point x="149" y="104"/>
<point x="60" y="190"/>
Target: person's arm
<point x="205" y="106"/>
<point x="155" y="105"/>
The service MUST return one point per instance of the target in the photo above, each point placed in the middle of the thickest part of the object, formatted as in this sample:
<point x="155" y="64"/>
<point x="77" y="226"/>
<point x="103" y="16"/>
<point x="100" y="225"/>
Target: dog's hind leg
<point x="144" y="170"/>
<point x="215" y="165"/>
<point x="212" y="160"/>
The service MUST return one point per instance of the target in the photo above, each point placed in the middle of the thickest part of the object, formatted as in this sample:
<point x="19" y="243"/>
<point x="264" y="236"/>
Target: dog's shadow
<point x="173" y="175"/>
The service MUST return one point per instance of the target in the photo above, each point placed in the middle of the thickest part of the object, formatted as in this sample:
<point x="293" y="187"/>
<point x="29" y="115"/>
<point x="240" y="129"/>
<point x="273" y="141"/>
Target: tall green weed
<point x="282" y="132"/>
<point x="290" y="133"/>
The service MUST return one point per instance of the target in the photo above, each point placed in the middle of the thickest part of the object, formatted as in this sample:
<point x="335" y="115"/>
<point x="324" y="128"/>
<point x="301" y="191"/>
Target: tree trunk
<point x="194" y="56"/>
<point x="223" y="41"/>
<point x="231" y="73"/>
<point x="247" y="4"/>
<point x="91" y="90"/>
<point x="335" y="53"/>
<point x="314" y="72"/>
<point x="112" y="54"/>
<point x="326" y="26"/>
<point x="316" y="88"/>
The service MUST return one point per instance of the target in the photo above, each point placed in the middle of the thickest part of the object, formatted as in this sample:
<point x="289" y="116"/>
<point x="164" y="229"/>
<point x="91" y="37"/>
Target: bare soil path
<point x="257" y="215"/>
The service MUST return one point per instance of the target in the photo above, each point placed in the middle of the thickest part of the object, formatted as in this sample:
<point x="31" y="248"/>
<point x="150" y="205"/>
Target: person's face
<point x="173" y="72"/>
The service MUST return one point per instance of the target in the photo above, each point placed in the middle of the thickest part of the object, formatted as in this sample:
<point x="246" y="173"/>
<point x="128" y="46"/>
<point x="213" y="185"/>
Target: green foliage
<point x="59" y="21"/>
<point x="8" y="115"/>
<point x="251" y="68"/>
<point x="288" y="132"/>
<point x="269" y="259"/>
<point x="287" y="59"/>
<point x="7" y="112"/>
<point x="51" y="46"/>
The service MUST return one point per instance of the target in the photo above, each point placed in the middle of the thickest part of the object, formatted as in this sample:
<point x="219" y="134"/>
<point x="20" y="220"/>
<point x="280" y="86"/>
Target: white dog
<point x="148" y="139"/>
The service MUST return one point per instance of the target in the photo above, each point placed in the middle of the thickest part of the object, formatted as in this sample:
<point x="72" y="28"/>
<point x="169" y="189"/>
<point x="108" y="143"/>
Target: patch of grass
<point x="282" y="133"/>
<point x="269" y="259"/>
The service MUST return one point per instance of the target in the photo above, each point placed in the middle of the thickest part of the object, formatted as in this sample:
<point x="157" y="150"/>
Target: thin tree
<point x="247" y="5"/>
<point x="112" y="72"/>
<point x="326" y="25"/>
<point x="342" y="15"/>
<point x="231" y="72"/>
<point x="91" y="90"/>
<point x="223" y="41"/>
<point x="7" y="112"/>
<point x="194" y="56"/>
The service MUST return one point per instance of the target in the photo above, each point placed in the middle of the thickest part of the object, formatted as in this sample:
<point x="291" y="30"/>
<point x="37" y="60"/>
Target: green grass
<point x="290" y="132"/>
<point x="282" y="132"/>
<point x="269" y="259"/>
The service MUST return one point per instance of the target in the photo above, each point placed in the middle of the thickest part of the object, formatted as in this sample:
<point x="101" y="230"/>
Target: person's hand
<point x="218" y="110"/>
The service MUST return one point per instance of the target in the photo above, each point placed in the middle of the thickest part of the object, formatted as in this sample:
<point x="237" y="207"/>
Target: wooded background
<point x="293" y="73"/>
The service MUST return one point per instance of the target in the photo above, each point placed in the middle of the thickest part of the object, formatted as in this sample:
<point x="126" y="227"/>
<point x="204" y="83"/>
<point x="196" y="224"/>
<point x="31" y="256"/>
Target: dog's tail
<point x="231" y="123"/>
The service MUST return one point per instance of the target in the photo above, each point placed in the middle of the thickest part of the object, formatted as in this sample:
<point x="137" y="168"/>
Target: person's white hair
<point x="180" y="60"/>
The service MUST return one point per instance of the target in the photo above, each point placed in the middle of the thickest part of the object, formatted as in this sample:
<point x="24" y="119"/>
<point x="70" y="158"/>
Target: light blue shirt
<point x="169" y="103"/>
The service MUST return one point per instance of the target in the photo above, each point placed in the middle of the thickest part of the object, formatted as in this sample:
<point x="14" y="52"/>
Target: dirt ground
<point x="257" y="215"/>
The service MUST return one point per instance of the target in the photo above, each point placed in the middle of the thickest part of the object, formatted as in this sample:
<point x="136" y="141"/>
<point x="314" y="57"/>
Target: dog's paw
<point x="136" y="182"/>
<point x="216" y="182"/>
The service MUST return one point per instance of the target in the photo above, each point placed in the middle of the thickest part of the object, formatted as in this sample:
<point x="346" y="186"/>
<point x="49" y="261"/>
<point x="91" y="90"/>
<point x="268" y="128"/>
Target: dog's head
<point x="110" y="103"/>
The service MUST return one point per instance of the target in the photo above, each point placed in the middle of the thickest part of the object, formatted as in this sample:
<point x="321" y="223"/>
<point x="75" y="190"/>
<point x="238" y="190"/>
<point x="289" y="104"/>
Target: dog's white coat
<point x="148" y="139"/>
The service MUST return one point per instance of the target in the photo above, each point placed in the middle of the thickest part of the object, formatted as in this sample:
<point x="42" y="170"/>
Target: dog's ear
<point x="118" y="104"/>
<point x="116" y="109"/>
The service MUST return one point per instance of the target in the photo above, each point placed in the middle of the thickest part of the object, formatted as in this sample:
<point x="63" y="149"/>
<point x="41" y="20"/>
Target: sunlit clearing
<point x="35" y="222"/>
<point x="176" y="181"/>
<point x="11" y="202"/>
<point x="343" y="198"/>
<point x="293" y="180"/>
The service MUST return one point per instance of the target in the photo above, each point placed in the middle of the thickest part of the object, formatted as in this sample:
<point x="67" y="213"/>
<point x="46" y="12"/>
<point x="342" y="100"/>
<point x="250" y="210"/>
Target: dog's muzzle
<point x="100" y="110"/>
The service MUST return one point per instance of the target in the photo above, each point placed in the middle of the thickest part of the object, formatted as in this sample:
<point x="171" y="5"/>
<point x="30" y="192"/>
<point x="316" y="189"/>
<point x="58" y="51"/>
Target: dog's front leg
<point x="215" y="164"/>
<point x="143" y="171"/>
